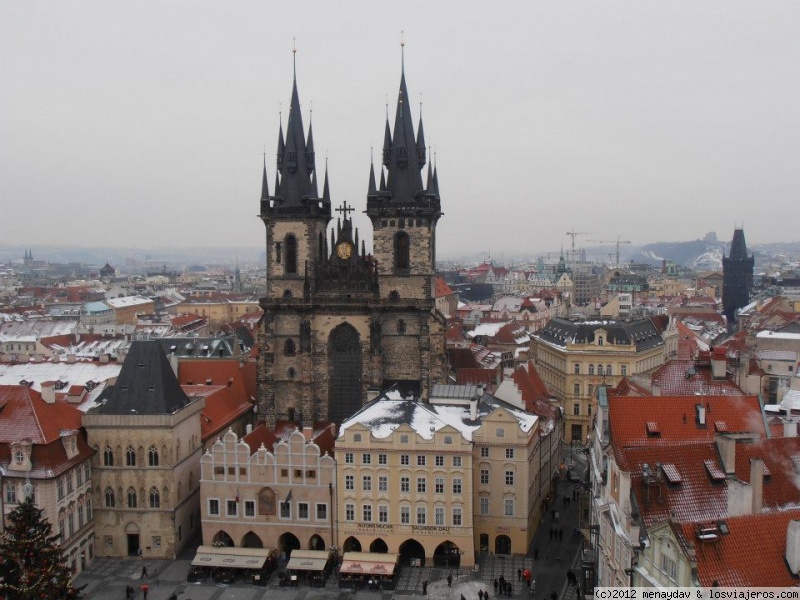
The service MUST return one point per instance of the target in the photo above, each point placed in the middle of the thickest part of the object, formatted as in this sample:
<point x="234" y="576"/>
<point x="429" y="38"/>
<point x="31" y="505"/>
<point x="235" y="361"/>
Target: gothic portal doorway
<point x="344" y="356"/>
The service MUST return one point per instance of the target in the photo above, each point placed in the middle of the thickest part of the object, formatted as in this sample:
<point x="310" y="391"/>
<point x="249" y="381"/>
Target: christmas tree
<point x="32" y="565"/>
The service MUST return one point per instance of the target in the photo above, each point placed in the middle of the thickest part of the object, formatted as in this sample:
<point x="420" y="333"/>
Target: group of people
<point x="501" y="587"/>
<point x="556" y="534"/>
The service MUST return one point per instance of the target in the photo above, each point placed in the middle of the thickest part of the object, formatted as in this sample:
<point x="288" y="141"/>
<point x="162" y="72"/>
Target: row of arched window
<point x="153" y="459"/>
<point x="132" y="498"/>
<point x="286" y="252"/>
<point x="609" y="370"/>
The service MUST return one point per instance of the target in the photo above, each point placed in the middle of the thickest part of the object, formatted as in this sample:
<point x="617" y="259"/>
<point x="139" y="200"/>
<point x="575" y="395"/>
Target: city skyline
<point x="139" y="126"/>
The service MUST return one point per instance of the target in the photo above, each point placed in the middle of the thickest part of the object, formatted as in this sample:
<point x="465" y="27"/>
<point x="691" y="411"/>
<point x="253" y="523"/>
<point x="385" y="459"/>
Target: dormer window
<point x="19" y="457"/>
<point x="600" y="341"/>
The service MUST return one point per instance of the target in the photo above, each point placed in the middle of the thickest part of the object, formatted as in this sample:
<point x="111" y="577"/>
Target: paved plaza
<point x="106" y="579"/>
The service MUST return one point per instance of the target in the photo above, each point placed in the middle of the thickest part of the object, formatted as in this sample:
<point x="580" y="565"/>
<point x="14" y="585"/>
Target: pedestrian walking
<point x="495" y="585"/>
<point x="449" y="580"/>
<point x="558" y="516"/>
<point x="554" y="595"/>
<point x="425" y="587"/>
<point x="485" y="595"/>
<point x="145" y="588"/>
<point x="519" y="574"/>
<point x="509" y="589"/>
<point x="462" y="597"/>
<point x="480" y="594"/>
<point x="144" y="572"/>
<point x="533" y="586"/>
<point x="535" y="553"/>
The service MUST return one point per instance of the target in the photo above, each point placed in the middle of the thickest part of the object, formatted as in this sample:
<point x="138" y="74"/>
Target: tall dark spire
<point x="387" y="140"/>
<point x="326" y="193"/>
<point x="372" y="189"/>
<point x="420" y="141"/>
<point x="405" y="179"/>
<point x="264" y="184"/>
<point x="295" y="154"/>
<point x="738" y="245"/>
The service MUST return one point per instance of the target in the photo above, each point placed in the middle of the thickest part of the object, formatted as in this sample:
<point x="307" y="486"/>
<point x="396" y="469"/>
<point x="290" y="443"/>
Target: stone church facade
<point x="339" y="323"/>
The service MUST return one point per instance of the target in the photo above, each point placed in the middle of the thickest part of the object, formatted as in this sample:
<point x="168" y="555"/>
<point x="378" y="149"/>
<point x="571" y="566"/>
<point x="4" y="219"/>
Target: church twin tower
<point x="340" y="324"/>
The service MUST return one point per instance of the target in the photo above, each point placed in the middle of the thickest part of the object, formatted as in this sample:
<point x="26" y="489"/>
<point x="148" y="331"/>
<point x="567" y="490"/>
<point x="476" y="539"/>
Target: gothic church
<point x="339" y="324"/>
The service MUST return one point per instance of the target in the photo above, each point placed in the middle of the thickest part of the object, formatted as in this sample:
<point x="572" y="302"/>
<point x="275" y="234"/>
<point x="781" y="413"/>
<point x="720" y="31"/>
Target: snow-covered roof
<point x="78" y="373"/>
<point x="487" y="329"/>
<point x="785" y="355"/>
<point x="127" y="301"/>
<point x="777" y="335"/>
<point x="34" y="330"/>
<point x="386" y="413"/>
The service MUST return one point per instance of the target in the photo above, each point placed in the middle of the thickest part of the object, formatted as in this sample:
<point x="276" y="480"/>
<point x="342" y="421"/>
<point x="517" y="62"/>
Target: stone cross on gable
<point x="344" y="209"/>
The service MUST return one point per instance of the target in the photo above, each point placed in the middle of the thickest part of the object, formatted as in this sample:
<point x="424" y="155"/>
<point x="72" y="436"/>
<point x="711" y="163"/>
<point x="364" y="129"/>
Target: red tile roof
<point x="626" y="387"/>
<point x="690" y="377"/>
<point x="676" y="418"/>
<point x="477" y="375"/>
<point x="752" y="554"/>
<point x="442" y="289"/>
<point x="25" y="416"/>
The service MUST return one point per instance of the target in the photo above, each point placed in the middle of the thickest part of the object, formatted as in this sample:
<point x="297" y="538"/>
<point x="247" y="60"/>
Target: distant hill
<point x="702" y="254"/>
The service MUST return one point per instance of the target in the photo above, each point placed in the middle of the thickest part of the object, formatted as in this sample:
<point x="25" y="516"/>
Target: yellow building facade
<point x="575" y="357"/>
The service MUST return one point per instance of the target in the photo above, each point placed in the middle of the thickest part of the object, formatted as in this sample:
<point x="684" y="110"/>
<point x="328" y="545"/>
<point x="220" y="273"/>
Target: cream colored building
<point x="506" y="496"/>
<point x="147" y="437"/>
<point x="414" y="478"/>
<point x="269" y="490"/>
<point x="575" y="357"/>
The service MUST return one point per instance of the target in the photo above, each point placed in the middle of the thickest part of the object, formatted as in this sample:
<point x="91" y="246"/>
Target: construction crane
<point x="616" y="243"/>
<point x="572" y="234"/>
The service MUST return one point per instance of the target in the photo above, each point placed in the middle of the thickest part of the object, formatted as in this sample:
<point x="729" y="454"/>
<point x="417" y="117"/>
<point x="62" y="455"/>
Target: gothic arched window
<point x="155" y="498"/>
<point x="153" y="456"/>
<point x="131" y="497"/>
<point x="110" y="503"/>
<point x="130" y="457"/>
<point x="401" y="250"/>
<point x="108" y="457"/>
<point x="291" y="254"/>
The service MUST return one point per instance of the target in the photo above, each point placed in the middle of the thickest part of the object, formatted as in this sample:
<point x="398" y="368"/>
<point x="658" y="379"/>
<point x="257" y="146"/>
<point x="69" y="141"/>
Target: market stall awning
<point x="308" y="560"/>
<point x="368" y="563"/>
<point x="233" y="558"/>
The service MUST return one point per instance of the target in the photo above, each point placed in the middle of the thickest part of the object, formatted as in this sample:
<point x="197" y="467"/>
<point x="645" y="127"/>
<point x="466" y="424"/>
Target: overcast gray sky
<point x="143" y="123"/>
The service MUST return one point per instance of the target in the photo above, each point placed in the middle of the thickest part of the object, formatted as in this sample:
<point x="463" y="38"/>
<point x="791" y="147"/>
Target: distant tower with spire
<point x="737" y="277"/>
<point x="339" y="323"/>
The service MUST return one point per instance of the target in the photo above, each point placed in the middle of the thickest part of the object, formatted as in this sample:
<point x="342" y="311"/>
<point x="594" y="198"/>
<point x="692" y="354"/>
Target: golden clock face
<point x="344" y="250"/>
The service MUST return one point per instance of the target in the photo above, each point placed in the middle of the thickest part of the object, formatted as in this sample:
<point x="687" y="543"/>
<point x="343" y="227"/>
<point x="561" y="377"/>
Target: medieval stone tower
<point x="340" y="324"/>
<point x="737" y="277"/>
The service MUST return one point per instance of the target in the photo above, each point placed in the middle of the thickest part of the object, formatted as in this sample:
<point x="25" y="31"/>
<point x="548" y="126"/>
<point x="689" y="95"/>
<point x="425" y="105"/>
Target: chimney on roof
<point x="726" y="446"/>
<point x="719" y="362"/>
<point x="740" y="497"/>
<point x="308" y="432"/>
<point x="757" y="483"/>
<point x="248" y="429"/>
<point x="49" y="391"/>
<point x="789" y="428"/>
<point x="701" y="415"/>
<point x="72" y="359"/>
<point x="793" y="547"/>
